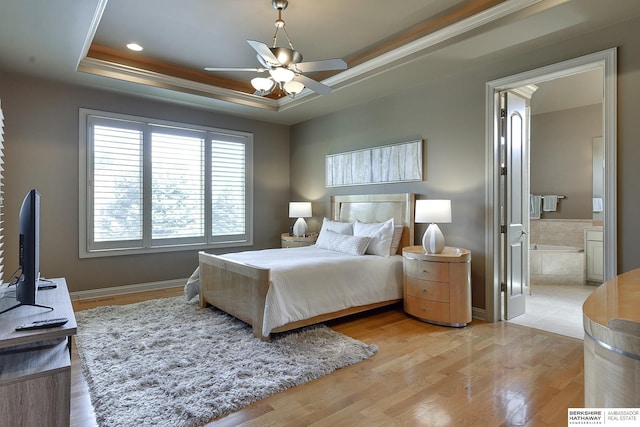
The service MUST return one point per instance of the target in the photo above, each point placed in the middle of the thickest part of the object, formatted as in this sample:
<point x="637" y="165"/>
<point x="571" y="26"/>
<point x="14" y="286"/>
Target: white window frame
<point x="89" y="250"/>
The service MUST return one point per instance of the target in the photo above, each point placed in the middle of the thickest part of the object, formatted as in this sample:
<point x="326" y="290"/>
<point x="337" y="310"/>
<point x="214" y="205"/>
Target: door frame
<point x="605" y="60"/>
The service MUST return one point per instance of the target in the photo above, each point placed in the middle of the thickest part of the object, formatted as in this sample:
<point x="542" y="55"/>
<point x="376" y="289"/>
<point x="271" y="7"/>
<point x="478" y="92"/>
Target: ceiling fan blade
<point x="325" y="65"/>
<point x="264" y="51"/>
<point x="254" y="69"/>
<point x="313" y="85"/>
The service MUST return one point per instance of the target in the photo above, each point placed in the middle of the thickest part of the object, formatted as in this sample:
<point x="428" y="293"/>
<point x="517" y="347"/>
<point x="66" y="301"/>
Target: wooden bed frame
<point x="240" y="289"/>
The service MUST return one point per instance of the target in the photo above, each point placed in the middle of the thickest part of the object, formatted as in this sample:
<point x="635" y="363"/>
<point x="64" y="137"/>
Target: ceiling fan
<point x="285" y="65"/>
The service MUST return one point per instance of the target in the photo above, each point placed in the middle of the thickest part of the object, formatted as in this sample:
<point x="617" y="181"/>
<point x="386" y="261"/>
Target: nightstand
<point x="437" y="287"/>
<point x="288" y="241"/>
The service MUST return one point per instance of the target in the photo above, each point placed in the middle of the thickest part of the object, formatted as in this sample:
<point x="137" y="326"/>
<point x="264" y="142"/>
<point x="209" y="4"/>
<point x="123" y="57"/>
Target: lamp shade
<point x="262" y="84"/>
<point x="299" y="209"/>
<point x="282" y="75"/>
<point x="293" y="87"/>
<point x="433" y="211"/>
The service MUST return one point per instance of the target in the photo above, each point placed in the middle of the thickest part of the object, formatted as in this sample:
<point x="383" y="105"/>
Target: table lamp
<point x="300" y="210"/>
<point x="432" y="212"/>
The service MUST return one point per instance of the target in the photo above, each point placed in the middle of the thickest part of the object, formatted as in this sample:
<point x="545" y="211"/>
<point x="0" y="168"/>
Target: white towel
<point x="597" y="204"/>
<point x="550" y="203"/>
<point x="535" y="202"/>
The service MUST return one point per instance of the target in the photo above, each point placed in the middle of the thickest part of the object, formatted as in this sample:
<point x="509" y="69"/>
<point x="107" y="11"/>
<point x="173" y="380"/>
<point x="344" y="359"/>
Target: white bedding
<point x="310" y="281"/>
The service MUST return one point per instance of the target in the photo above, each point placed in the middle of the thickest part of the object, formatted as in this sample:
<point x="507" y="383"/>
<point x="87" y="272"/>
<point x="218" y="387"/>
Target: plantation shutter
<point x="117" y="182"/>
<point x="155" y="186"/>
<point x="177" y="186"/>
<point x="228" y="185"/>
<point x="1" y="194"/>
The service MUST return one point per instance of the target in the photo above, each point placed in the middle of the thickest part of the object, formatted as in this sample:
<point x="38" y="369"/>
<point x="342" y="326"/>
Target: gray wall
<point x="41" y="151"/>
<point x="449" y="114"/>
<point x="453" y="155"/>
<point x="561" y="158"/>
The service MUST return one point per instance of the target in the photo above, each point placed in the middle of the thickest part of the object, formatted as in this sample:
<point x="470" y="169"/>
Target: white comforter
<point x="309" y="281"/>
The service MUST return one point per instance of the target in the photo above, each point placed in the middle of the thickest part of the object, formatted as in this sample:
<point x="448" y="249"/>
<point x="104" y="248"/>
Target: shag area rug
<point x="167" y="362"/>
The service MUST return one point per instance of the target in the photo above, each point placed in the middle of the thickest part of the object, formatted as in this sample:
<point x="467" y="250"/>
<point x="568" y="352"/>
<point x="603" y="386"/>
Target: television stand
<point x="35" y="365"/>
<point x="31" y="305"/>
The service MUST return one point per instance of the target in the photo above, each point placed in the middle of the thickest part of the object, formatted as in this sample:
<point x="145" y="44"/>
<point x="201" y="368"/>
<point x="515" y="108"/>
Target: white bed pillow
<point x="192" y="288"/>
<point x="381" y="234"/>
<point x="352" y="245"/>
<point x="395" y="241"/>
<point x="337" y="226"/>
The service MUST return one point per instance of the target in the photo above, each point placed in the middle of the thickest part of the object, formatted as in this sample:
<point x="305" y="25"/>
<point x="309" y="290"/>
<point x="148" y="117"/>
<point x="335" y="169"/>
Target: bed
<point x="244" y="285"/>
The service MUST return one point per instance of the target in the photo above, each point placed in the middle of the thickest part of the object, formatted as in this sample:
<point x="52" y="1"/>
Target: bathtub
<point x="539" y="247"/>
<point x="556" y="265"/>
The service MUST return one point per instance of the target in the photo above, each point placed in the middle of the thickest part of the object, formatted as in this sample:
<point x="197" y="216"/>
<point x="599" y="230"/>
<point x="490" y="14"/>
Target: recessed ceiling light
<point x="135" y="47"/>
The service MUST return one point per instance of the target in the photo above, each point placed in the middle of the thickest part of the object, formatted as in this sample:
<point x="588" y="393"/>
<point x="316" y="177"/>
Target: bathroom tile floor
<point x="555" y="308"/>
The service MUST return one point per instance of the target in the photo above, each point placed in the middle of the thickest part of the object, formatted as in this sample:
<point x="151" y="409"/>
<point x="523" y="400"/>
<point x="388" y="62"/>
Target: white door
<point x="514" y="203"/>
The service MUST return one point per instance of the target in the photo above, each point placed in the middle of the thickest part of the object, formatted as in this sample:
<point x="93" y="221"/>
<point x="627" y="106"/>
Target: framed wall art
<point x="378" y="165"/>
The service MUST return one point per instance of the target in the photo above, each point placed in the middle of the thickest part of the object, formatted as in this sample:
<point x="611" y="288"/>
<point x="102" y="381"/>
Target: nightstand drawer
<point x="424" y="270"/>
<point x="426" y="309"/>
<point x="434" y="291"/>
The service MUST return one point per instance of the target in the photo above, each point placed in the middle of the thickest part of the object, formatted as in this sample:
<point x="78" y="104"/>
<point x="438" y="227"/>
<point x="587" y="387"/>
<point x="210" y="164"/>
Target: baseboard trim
<point x="126" y="289"/>
<point x="478" y="313"/>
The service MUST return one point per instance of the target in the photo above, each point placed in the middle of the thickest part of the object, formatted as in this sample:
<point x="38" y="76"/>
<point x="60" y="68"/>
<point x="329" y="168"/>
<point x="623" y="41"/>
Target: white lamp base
<point x="433" y="240"/>
<point x="300" y="227"/>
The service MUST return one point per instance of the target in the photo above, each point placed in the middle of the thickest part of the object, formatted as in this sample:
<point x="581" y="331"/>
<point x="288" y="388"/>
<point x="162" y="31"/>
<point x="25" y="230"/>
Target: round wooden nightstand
<point x="288" y="241"/>
<point x="437" y="287"/>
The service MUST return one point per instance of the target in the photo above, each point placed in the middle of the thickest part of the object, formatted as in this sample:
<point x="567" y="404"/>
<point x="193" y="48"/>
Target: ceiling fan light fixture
<point x="284" y="64"/>
<point x="293" y="88"/>
<point x="282" y="75"/>
<point x="262" y="84"/>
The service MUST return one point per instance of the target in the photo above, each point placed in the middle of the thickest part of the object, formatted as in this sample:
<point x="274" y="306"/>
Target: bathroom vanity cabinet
<point x="594" y="253"/>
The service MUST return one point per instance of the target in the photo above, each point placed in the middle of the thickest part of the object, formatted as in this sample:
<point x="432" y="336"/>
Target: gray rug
<point x="168" y="363"/>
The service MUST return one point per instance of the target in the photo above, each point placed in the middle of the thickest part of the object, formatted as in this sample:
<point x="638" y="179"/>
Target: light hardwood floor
<point x="486" y="374"/>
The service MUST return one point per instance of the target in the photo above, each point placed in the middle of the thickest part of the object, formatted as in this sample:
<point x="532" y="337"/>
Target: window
<point x="1" y="193"/>
<point x="150" y="186"/>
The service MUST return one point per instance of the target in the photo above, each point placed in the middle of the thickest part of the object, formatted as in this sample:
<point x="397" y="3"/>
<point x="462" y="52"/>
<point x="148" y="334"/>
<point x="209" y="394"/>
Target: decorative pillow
<point x="395" y="241"/>
<point x="381" y="234"/>
<point x="192" y="288"/>
<point x="337" y="227"/>
<point x="351" y="245"/>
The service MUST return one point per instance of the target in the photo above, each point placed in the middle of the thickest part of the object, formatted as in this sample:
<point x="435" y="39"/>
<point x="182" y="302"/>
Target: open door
<point x="496" y="238"/>
<point x="514" y="202"/>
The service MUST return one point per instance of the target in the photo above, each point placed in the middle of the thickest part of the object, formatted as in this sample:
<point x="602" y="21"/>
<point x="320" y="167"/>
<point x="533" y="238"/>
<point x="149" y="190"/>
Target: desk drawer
<point x="425" y="270"/>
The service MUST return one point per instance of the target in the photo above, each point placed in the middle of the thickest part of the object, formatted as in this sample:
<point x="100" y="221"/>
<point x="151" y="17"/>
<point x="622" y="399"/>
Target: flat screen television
<point x="29" y="252"/>
<point x="29" y="248"/>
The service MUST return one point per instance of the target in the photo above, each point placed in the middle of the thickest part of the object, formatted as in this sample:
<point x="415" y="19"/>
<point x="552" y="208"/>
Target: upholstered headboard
<point x="378" y="208"/>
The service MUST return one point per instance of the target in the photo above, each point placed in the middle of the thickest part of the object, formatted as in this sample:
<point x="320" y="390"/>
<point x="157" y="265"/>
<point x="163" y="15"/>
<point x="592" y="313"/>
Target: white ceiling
<point x="51" y="39"/>
<point x="578" y="90"/>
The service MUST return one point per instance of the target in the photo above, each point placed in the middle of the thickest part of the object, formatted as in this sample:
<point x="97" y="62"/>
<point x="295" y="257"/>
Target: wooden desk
<point x="611" y="320"/>
<point x="35" y="365"/>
